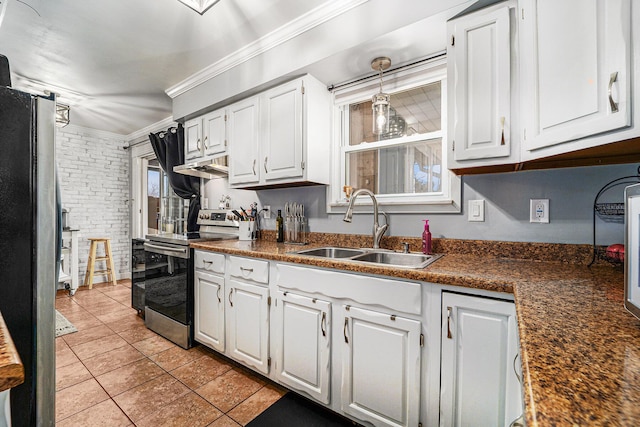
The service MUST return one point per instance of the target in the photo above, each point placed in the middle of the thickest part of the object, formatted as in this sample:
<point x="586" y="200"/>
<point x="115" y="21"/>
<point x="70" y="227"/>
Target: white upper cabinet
<point x="284" y="140"/>
<point x="244" y="139"/>
<point x="214" y="132"/>
<point x="205" y="136"/>
<point x="282" y="131"/>
<point x="575" y="69"/>
<point x="193" y="139"/>
<point x="479" y="75"/>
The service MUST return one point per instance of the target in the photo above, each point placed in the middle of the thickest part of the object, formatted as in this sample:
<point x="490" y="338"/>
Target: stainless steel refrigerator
<point x="28" y="241"/>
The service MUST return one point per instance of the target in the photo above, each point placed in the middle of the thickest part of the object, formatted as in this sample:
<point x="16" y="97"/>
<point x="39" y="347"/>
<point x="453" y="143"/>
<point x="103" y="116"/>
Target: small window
<point x="166" y="211"/>
<point x="404" y="167"/>
<point x="153" y="197"/>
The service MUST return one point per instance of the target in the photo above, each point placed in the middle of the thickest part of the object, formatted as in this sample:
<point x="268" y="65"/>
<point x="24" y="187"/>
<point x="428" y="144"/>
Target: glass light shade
<point x="380" y="106"/>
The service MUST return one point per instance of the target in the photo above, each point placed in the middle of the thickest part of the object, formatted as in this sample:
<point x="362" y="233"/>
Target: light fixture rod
<point x="348" y="83"/>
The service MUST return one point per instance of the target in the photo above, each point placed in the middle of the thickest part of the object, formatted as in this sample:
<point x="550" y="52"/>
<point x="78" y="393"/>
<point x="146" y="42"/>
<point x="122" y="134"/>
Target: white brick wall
<point x="93" y="171"/>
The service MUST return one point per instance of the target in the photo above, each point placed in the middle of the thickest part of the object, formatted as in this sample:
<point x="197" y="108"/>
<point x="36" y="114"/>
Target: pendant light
<point x="381" y="101"/>
<point x="200" y="6"/>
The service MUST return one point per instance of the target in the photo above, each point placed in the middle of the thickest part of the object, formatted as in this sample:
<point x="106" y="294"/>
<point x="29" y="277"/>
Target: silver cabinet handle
<point x="449" y="323"/>
<point x="612" y="80"/>
<point x="502" y="126"/>
<point x="205" y="142"/>
<point x="198" y="144"/>
<point x="515" y="368"/>
<point x="265" y="165"/>
<point x="323" y="324"/>
<point x="218" y="295"/>
<point x="230" y="300"/>
<point x="344" y="330"/>
<point x="254" y="166"/>
<point x="248" y="270"/>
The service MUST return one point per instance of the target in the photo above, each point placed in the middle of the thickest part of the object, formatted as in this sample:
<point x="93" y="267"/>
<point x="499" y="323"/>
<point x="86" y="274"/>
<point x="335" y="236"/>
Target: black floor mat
<point x="293" y="410"/>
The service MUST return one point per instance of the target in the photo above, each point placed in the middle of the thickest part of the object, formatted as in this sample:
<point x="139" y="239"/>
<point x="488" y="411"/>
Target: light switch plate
<point x="539" y="211"/>
<point x="267" y="212"/>
<point x="476" y="211"/>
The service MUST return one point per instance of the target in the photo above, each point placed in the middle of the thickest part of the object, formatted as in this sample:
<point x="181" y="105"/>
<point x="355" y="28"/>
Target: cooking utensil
<point x="236" y="213"/>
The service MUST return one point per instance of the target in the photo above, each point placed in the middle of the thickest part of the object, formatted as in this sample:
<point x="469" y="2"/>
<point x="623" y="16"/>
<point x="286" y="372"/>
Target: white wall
<point x="571" y="192"/>
<point x="93" y="170"/>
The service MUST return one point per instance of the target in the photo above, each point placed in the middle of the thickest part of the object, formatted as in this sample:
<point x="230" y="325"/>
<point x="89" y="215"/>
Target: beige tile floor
<point x="115" y="372"/>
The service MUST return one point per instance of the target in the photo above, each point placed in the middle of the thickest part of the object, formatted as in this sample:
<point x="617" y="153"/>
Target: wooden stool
<point x="109" y="271"/>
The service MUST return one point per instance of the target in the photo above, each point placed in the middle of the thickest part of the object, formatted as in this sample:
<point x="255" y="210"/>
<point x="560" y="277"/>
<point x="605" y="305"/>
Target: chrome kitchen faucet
<point x="378" y="230"/>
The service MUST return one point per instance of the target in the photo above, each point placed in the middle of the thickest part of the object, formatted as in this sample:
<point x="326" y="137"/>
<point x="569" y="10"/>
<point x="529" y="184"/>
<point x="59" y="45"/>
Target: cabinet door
<point x="381" y="368"/>
<point x="192" y="139"/>
<point x="479" y="345"/>
<point x="575" y="69"/>
<point x="282" y="131"/>
<point x="248" y="313"/>
<point x="209" y="310"/>
<point x="303" y="354"/>
<point x="481" y="76"/>
<point x="214" y="132"/>
<point x="243" y="142"/>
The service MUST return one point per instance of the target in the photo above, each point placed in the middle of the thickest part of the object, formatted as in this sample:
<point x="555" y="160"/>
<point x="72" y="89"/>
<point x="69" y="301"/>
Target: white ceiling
<point x="113" y="60"/>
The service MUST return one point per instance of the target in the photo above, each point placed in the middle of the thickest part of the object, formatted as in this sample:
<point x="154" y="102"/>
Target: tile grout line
<point x="234" y="366"/>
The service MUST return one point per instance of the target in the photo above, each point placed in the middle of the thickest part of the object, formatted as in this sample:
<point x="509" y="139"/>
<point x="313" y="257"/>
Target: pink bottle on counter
<point x="426" y="238"/>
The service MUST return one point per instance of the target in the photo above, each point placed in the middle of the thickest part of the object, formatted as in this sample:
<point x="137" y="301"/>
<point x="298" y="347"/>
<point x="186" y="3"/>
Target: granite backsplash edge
<point x="565" y="253"/>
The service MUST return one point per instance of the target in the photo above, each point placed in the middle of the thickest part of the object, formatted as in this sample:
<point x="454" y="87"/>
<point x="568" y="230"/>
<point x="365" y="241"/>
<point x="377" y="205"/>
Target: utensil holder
<point x="295" y="230"/>
<point x="247" y="230"/>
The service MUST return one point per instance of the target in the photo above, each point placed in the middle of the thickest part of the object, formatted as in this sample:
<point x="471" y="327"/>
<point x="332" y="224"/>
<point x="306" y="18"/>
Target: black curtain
<point x="169" y="149"/>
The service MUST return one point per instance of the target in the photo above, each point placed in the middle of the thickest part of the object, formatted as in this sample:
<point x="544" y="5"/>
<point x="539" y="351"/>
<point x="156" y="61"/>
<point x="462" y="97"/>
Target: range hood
<point x="205" y="168"/>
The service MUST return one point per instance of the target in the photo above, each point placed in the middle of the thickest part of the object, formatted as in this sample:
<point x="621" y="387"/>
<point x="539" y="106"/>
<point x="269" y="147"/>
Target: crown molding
<point x="155" y="127"/>
<point x="96" y="133"/>
<point x="321" y="14"/>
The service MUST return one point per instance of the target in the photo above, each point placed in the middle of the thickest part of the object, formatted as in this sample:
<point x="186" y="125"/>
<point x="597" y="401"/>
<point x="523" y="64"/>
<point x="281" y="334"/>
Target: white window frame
<point x="140" y="156"/>
<point x="448" y="200"/>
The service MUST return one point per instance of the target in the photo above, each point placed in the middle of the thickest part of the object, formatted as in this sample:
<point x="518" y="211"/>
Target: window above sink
<point x="406" y="167"/>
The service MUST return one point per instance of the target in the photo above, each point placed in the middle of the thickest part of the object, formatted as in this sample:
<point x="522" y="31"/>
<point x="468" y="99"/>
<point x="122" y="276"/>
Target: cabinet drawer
<point x="395" y="295"/>
<point x="209" y="261"/>
<point x="249" y="269"/>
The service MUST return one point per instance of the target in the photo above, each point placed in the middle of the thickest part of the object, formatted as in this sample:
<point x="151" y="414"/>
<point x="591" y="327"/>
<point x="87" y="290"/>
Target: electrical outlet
<point x="267" y="212"/>
<point x="539" y="210"/>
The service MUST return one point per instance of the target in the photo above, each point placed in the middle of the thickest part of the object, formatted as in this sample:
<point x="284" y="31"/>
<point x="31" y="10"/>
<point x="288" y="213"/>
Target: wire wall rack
<point x="610" y="212"/>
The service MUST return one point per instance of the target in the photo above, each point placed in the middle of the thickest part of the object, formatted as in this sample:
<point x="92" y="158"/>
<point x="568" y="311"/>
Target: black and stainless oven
<point x="168" y="275"/>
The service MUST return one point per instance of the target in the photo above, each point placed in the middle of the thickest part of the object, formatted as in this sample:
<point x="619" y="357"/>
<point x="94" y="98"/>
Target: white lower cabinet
<point x="248" y="324"/>
<point x="479" y="385"/>
<point x="303" y="355"/>
<point x="381" y="351"/>
<point x="209" y="321"/>
<point x="209" y="310"/>
<point x="381" y="367"/>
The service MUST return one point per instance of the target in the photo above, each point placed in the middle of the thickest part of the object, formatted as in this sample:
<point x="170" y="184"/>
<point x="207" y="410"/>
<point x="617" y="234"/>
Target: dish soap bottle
<point x="426" y="238"/>
<point x="279" y="227"/>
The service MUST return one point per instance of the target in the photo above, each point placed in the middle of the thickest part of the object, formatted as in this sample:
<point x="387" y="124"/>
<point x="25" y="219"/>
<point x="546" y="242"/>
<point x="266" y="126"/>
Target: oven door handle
<point x="182" y="252"/>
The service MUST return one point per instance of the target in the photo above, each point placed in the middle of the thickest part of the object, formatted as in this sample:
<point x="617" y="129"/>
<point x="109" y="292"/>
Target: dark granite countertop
<point x="11" y="369"/>
<point x="580" y="348"/>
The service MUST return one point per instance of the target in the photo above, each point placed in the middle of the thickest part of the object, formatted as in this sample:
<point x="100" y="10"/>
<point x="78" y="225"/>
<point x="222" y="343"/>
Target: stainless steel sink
<point x="372" y="256"/>
<point x="397" y="259"/>
<point x="331" y="252"/>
